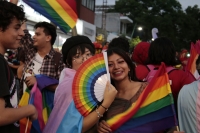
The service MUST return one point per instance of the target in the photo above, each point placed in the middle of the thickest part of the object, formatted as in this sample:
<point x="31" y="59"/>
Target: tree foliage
<point x="134" y="41"/>
<point x="182" y="27"/>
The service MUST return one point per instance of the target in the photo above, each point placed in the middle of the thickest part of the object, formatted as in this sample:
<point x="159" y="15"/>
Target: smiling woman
<point x="122" y="72"/>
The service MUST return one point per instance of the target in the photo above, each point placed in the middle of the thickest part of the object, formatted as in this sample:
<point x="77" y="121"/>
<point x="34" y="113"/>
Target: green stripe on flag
<point x="54" y="15"/>
<point x="155" y="106"/>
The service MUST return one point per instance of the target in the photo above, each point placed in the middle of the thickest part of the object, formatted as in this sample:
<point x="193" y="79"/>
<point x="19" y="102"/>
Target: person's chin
<point x="14" y="46"/>
<point x="35" y="45"/>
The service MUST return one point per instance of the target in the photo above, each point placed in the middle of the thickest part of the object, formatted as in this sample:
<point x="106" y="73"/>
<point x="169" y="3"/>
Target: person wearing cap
<point x="183" y="57"/>
<point x="64" y="116"/>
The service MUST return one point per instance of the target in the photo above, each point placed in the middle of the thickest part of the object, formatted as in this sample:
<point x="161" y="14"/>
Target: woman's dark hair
<point x="9" y="11"/>
<point x="126" y="58"/>
<point x="73" y="52"/>
<point x="162" y="50"/>
<point x="49" y="29"/>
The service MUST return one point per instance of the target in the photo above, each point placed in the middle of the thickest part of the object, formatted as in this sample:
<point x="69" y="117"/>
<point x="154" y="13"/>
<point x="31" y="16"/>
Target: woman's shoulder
<point x="142" y="84"/>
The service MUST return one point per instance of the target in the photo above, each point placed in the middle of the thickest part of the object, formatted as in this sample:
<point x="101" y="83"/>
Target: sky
<point x="184" y="3"/>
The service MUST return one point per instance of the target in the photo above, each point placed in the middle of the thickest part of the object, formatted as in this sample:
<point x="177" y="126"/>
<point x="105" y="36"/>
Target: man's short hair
<point x="9" y="11"/>
<point x="120" y="43"/>
<point x="49" y="29"/>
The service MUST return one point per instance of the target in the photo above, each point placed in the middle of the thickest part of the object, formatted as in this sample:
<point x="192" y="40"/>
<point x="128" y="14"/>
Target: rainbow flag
<point x="42" y="99"/>
<point x="194" y="54"/>
<point x="62" y="13"/>
<point x="152" y="112"/>
<point x="64" y="118"/>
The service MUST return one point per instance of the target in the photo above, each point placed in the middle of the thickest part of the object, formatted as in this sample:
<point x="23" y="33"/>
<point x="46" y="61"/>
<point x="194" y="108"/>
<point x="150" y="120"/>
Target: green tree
<point x="166" y="15"/>
<point x="134" y="41"/>
<point x="189" y="26"/>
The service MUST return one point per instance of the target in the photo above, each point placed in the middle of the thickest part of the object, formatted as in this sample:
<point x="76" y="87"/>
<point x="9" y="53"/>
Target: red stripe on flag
<point x="68" y="9"/>
<point x="72" y="4"/>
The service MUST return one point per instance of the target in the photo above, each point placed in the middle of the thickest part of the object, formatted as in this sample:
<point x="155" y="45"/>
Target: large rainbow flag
<point x="194" y="54"/>
<point x="62" y="13"/>
<point x="42" y="99"/>
<point x="152" y="112"/>
<point x="64" y="118"/>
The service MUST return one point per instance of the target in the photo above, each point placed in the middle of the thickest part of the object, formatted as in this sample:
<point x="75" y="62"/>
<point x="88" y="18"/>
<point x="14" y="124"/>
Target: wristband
<point x="104" y="107"/>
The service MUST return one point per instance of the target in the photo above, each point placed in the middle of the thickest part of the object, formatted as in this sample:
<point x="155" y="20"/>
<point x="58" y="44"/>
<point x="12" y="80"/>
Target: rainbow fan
<point x="90" y="82"/>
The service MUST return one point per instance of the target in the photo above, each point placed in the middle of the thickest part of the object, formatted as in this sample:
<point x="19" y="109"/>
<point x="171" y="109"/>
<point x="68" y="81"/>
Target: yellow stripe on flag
<point x="61" y="12"/>
<point x="24" y="100"/>
<point x="157" y="94"/>
<point x="45" y="115"/>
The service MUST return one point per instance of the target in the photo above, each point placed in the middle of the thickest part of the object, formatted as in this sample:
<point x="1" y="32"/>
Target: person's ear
<point x="48" y="38"/>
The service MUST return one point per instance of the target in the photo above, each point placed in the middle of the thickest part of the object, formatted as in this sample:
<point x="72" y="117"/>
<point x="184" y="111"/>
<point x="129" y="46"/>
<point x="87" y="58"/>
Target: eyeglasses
<point x="81" y="58"/>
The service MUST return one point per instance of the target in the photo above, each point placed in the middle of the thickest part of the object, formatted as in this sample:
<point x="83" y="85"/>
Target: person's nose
<point x="21" y="32"/>
<point x="84" y="58"/>
<point x="116" y="66"/>
<point x="33" y="37"/>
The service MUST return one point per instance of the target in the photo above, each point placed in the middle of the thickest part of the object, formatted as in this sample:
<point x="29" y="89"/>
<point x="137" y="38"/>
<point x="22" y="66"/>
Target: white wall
<point x="87" y="29"/>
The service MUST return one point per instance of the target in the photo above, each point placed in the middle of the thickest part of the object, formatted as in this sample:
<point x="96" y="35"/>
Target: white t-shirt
<point x="34" y="68"/>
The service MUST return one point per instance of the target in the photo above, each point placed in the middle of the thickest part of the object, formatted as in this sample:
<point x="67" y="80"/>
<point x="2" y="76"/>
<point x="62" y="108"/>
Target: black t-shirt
<point x="8" y="92"/>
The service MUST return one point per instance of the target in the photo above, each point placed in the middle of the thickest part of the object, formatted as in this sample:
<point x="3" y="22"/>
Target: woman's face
<point x="79" y="58"/>
<point x="118" y="68"/>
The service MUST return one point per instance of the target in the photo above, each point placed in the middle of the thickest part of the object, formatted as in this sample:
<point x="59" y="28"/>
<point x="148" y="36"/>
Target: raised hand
<point x="109" y="95"/>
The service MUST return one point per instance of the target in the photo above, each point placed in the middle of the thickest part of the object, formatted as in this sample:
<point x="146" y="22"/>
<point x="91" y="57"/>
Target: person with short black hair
<point x="40" y="57"/>
<point x="11" y="18"/>
<point x="75" y="50"/>
<point x="120" y="43"/>
<point x="48" y="29"/>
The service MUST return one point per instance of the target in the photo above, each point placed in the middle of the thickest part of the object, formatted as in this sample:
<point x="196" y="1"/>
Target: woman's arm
<point x="92" y="118"/>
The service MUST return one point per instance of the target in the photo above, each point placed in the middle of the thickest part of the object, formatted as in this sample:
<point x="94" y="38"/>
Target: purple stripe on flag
<point x="44" y="81"/>
<point x="155" y="116"/>
<point x="151" y="127"/>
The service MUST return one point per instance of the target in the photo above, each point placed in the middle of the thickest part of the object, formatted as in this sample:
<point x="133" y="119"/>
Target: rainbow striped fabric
<point x="64" y="118"/>
<point x="62" y="13"/>
<point x="42" y="99"/>
<point x="194" y="54"/>
<point x="85" y="80"/>
<point x="152" y="112"/>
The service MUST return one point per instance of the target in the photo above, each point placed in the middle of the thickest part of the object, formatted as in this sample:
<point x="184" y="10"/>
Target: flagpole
<point x="74" y="31"/>
<point x="177" y="128"/>
<point x="27" y="126"/>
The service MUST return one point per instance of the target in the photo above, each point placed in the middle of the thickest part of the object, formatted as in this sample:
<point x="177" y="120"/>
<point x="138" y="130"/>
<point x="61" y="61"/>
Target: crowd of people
<point x="36" y="56"/>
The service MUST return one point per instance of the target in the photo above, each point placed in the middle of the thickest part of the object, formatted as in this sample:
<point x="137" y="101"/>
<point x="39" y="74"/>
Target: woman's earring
<point x="129" y="75"/>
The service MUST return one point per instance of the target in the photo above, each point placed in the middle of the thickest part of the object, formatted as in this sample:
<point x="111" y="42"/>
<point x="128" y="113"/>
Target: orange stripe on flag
<point x="68" y="9"/>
